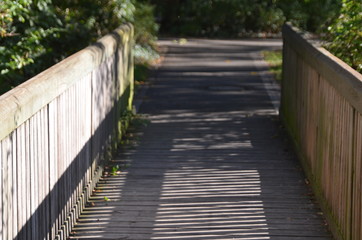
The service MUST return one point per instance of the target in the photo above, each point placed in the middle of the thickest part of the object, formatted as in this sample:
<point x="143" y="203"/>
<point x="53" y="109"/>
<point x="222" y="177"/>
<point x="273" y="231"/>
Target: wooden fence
<point x="55" y="129"/>
<point x="322" y="108"/>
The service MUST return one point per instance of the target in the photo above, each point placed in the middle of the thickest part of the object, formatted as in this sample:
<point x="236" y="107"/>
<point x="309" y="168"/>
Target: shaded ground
<point x="211" y="164"/>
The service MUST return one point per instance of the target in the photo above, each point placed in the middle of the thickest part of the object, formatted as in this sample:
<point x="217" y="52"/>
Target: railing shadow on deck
<point x="240" y="191"/>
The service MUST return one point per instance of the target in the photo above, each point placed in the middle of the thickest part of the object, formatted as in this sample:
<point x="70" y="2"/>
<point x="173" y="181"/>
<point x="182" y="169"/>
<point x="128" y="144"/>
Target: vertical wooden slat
<point x="60" y="152"/>
<point x="79" y="127"/>
<point x="46" y="190"/>
<point x="68" y="153"/>
<point x="53" y="197"/>
<point x="74" y="164"/>
<point x="1" y="190"/>
<point x="69" y="168"/>
<point x="27" y="189"/>
<point x="72" y="160"/>
<point x="95" y="114"/>
<point x="80" y="146"/>
<point x="6" y="206"/>
<point x="2" y="159"/>
<point x="21" y="180"/>
<point x="14" y="187"/>
<point x="20" y="155"/>
<point x="35" y="173"/>
<point x="7" y="220"/>
<point x="2" y="211"/>
<point x="88" y="93"/>
<point x="357" y="198"/>
<point x="63" y="155"/>
<point x="40" y="170"/>
<point x="45" y="172"/>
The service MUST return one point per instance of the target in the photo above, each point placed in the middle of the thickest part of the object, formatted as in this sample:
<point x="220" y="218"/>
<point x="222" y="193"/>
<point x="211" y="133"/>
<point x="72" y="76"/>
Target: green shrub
<point x="35" y="34"/>
<point x="345" y="34"/>
<point x="146" y="28"/>
<point x="26" y="29"/>
<point x="232" y="18"/>
<point x="311" y="15"/>
<point x="274" y="60"/>
<point x="228" y="18"/>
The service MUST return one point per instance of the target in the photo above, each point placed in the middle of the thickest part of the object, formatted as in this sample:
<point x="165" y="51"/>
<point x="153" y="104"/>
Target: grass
<point x="274" y="59"/>
<point x="145" y="57"/>
<point x="141" y="71"/>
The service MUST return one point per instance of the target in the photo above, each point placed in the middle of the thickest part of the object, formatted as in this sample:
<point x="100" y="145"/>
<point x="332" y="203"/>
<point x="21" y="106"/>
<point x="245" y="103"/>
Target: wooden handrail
<point x="321" y="107"/>
<point x="20" y="103"/>
<point x="339" y="74"/>
<point x="56" y="128"/>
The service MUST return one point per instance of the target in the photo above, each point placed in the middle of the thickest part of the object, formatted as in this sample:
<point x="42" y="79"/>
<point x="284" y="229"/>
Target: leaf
<point x="115" y="169"/>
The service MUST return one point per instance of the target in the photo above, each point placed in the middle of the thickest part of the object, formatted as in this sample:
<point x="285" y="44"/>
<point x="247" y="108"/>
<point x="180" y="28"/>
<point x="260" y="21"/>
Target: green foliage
<point x="89" y="19"/>
<point x="145" y="35"/>
<point x="145" y="57"/>
<point x="26" y="28"/>
<point x="345" y="34"/>
<point x="274" y="59"/>
<point x="145" y="53"/>
<point x="106" y="199"/>
<point x="224" y="17"/>
<point x="115" y="169"/>
<point x="232" y="18"/>
<point x="141" y="71"/>
<point x="35" y="34"/>
<point x="311" y="15"/>
<point x="144" y="23"/>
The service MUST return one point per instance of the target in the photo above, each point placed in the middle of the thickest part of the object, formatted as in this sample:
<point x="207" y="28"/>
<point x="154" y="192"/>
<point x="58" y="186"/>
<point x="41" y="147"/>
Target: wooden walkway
<point x="212" y="163"/>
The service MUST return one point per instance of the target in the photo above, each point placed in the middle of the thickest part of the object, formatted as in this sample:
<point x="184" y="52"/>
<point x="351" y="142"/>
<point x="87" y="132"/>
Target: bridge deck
<point x="212" y="164"/>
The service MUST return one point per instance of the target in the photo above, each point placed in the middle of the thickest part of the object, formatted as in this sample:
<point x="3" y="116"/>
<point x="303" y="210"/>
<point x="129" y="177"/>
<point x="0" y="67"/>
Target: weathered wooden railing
<point x="55" y="129"/>
<point x="322" y="109"/>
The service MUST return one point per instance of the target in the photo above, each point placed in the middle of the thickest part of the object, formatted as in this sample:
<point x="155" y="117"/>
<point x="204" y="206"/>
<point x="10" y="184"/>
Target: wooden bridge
<point x="212" y="163"/>
<point x="210" y="159"/>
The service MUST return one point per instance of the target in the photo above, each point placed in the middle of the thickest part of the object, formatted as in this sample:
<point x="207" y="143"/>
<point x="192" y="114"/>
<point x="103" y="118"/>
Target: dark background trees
<point x="35" y="34"/>
<point x="238" y="18"/>
<point x="338" y="22"/>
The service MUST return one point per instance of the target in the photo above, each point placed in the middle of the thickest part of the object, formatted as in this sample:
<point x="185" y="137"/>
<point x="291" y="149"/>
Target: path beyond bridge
<point x="212" y="163"/>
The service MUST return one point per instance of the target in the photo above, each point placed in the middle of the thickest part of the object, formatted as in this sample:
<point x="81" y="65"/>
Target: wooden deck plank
<point x="212" y="163"/>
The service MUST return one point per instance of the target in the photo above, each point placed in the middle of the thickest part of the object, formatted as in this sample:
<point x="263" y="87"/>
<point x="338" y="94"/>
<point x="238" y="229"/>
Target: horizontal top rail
<point x="22" y="102"/>
<point x="345" y="79"/>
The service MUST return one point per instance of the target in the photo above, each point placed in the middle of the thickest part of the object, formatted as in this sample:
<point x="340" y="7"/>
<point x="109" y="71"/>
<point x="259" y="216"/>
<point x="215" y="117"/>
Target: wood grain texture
<point x="321" y="105"/>
<point x="347" y="81"/>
